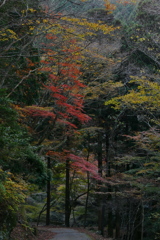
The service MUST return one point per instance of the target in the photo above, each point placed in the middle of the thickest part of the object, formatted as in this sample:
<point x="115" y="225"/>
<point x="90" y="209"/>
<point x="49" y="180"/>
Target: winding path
<point x="68" y="234"/>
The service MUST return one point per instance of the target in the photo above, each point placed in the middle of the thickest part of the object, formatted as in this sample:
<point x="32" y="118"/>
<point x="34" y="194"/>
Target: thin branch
<point x="31" y="71"/>
<point x="3" y="3"/>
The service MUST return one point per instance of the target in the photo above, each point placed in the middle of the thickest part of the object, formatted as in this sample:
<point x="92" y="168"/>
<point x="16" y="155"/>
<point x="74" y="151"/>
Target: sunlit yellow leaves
<point x="89" y="25"/>
<point x="13" y="190"/>
<point x="29" y="10"/>
<point x="138" y="39"/>
<point x="147" y="95"/>
<point x="31" y="28"/>
<point x="142" y="39"/>
<point x="113" y="102"/>
<point x="45" y="20"/>
<point x="8" y="34"/>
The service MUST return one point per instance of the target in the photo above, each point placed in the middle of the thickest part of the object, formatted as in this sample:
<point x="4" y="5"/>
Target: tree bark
<point x="67" y="194"/>
<point x="48" y="194"/>
<point x="110" y="214"/>
<point x="142" y="220"/>
<point x="87" y="197"/>
<point x="117" y="223"/>
<point x="88" y="187"/>
<point x="100" y="197"/>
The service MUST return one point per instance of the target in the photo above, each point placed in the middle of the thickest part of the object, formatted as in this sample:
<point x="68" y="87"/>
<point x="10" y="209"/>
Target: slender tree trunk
<point x="129" y="217"/>
<point x="108" y="164"/>
<point x="67" y="194"/>
<point x="100" y="197"/>
<point x="99" y="153"/>
<point x="117" y="223"/>
<point x="87" y="197"/>
<point x="101" y="215"/>
<point x="48" y="194"/>
<point x="137" y="227"/>
<point x="110" y="214"/>
<point x="109" y="198"/>
<point x="142" y="220"/>
<point x="88" y="186"/>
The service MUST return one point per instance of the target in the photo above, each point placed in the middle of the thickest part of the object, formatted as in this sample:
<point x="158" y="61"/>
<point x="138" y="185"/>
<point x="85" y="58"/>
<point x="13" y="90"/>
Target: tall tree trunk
<point x="110" y="214"/>
<point x="88" y="184"/>
<point x="67" y="194"/>
<point x="100" y="198"/>
<point x="142" y="220"/>
<point x="136" y="233"/>
<point x="87" y="197"/>
<point x="109" y="198"/>
<point x="108" y="171"/>
<point x="139" y="222"/>
<point x="48" y="193"/>
<point x="117" y="222"/>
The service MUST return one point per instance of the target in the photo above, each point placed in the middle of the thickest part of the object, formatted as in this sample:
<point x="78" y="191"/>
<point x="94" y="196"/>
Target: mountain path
<point x="68" y="234"/>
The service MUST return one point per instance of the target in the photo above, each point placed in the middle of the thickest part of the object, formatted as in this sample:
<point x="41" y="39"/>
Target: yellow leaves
<point x="7" y="34"/>
<point x="13" y="189"/>
<point x="149" y="167"/>
<point x="29" y="10"/>
<point x="96" y="89"/>
<point x="137" y="38"/>
<point x="135" y="97"/>
<point x="149" y="164"/>
<point x="143" y="171"/>
<point x="89" y="25"/>
<point x="142" y="39"/>
<point x="146" y="95"/>
<point x="4" y="39"/>
<point x="10" y="185"/>
<point x="31" y="28"/>
<point x="45" y="21"/>
<point x="113" y="102"/>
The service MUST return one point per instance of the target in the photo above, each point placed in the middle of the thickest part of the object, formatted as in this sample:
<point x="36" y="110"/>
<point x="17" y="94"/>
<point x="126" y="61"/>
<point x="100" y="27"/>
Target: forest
<point x="80" y="116"/>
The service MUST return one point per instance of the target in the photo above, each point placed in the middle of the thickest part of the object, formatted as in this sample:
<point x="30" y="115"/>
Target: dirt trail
<point x="68" y="234"/>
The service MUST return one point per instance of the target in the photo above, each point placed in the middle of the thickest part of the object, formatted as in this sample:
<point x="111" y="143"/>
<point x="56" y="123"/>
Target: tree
<point x="20" y="165"/>
<point x="62" y="105"/>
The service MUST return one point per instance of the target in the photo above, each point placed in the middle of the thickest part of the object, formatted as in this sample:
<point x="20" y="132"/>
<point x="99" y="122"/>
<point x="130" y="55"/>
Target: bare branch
<point x="25" y="77"/>
<point x="3" y="3"/>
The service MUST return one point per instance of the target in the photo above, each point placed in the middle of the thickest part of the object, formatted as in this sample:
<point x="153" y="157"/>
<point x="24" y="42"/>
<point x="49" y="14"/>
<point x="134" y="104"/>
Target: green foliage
<point x="12" y="195"/>
<point x="19" y="164"/>
<point x="153" y="223"/>
<point x="17" y="155"/>
<point x="32" y="211"/>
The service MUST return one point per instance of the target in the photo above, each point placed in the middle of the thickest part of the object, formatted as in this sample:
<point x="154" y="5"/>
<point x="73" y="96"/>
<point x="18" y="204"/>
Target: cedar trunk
<point x="67" y="194"/>
<point x="48" y="194"/>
